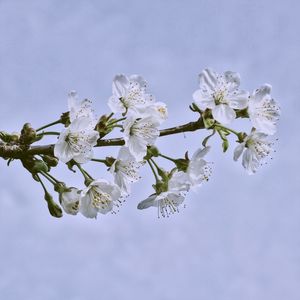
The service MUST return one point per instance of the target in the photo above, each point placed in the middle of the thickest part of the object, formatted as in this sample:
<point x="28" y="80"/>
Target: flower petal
<point x="250" y="161"/>
<point x="208" y="79"/>
<point x="120" y="85"/>
<point x="233" y="79"/>
<point x="200" y="153"/>
<point x="86" y="208"/>
<point x="203" y="100"/>
<point x="147" y="202"/>
<point x="223" y="114"/>
<point x="238" y="151"/>
<point x="238" y="99"/>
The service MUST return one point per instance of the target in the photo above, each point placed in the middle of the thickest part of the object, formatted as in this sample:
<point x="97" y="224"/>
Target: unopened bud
<point x="50" y="160"/>
<point x="28" y="134"/>
<point x="65" y="119"/>
<point x="152" y="151"/>
<point x="39" y="166"/>
<point x="54" y="208"/>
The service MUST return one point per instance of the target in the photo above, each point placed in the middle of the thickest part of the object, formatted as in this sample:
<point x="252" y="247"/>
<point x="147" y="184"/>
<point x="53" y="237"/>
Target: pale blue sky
<point x="238" y="238"/>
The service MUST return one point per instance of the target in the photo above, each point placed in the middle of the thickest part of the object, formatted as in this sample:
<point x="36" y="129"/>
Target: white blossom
<point x="129" y="94"/>
<point x="100" y="196"/>
<point x="76" y="141"/>
<point x="198" y="170"/>
<point x="78" y="109"/>
<point x="263" y="111"/>
<point x="255" y="149"/>
<point x="168" y="202"/>
<point x="139" y="133"/>
<point x="157" y="110"/>
<point x="221" y="94"/>
<point x="70" y="200"/>
<point x="125" y="170"/>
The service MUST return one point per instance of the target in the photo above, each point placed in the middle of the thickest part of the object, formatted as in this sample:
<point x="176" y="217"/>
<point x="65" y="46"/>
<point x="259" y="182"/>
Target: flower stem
<point x="110" y="115"/>
<point x="41" y="182"/>
<point x="156" y="166"/>
<point x="48" y="178"/>
<point x="99" y="160"/>
<point x="113" y="126"/>
<point x="167" y="157"/>
<point x="153" y="171"/>
<point x="85" y="174"/>
<point x="48" y="125"/>
<point x="228" y="129"/>
<point x="52" y="177"/>
<point x="49" y="133"/>
<point x="116" y="121"/>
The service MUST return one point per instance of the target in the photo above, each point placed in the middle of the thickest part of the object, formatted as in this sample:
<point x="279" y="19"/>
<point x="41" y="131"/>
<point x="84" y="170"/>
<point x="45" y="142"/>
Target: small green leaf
<point x="225" y="145"/>
<point x="204" y="142"/>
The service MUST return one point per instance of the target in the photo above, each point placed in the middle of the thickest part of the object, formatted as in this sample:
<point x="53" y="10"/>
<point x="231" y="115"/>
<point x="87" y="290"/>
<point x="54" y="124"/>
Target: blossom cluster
<point x="136" y="113"/>
<point x="221" y="94"/>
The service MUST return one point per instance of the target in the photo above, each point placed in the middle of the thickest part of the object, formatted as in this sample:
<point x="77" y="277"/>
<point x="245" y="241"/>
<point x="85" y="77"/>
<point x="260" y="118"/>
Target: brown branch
<point x="49" y="149"/>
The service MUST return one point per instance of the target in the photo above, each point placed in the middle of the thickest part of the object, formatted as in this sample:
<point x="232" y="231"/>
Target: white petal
<point x="147" y="202"/>
<point x="120" y="85"/>
<point x="264" y="125"/>
<point x="203" y="100"/>
<point x="124" y="154"/>
<point x="72" y="101"/>
<point x="179" y="182"/>
<point x="116" y="105"/>
<point x="233" y="79"/>
<point x="83" y="158"/>
<point x="137" y="147"/>
<point x="260" y="93"/>
<point x="200" y="153"/>
<point x="238" y="99"/>
<point x="250" y="161"/>
<point x="140" y="80"/>
<point x="238" y="151"/>
<point x="223" y="114"/>
<point x="80" y="124"/>
<point x="86" y="208"/>
<point x="208" y="79"/>
<point x="79" y="109"/>
<point x="122" y="183"/>
<point x="70" y="201"/>
<point x="63" y="152"/>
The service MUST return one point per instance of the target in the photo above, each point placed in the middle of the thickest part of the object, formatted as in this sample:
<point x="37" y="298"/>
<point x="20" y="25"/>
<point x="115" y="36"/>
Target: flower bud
<point x="39" y="166"/>
<point x="50" y="160"/>
<point x="28" y="134"/>
<point x="65" y="119"/>
<point x="151" y="151"/>
<point x="70" y="200"/>
<point x="54" y="208"/>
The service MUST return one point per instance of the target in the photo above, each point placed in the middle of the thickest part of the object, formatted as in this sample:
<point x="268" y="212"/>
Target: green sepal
<point x="204" y="142"/>
<point x="225" y="145"/>
<point x="54" y="208"/>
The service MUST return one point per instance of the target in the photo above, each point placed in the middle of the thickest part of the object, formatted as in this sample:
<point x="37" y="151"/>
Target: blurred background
<point x="238" y="237"/>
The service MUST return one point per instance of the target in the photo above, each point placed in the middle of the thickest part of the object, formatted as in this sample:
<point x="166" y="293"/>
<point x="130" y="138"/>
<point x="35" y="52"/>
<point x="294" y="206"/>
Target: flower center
<point x="219" y="98"/>
<point x="261" y="148"/>
<point x="100" y="200"/>
<point x="167" y="207"/>
<point x="162" y="111"/>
